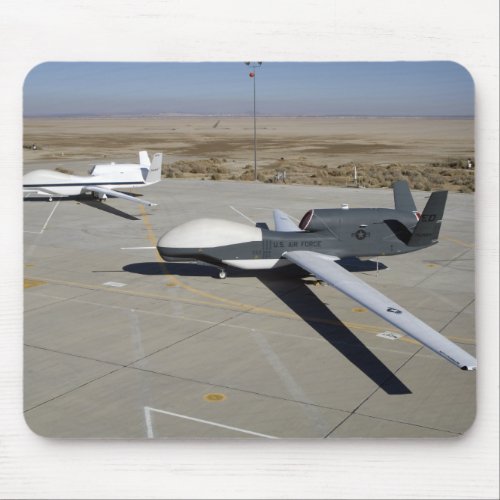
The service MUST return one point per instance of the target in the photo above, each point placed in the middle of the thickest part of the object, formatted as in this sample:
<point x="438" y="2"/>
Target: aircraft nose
<point x="171" y="245"/>
<point x="191" y="238"/>
<point x="184" y="240"/>
<point x="167" y="240"/>
<point x="188" y="235"/>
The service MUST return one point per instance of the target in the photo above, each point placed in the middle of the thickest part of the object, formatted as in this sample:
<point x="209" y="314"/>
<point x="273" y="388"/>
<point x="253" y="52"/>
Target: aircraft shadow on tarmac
<point x="288" y="286"/>
<point x="192" y="269"/>
<point x="184" y="269"/>
<point x="108" y="208"/>
<point x="300" y="299"/>
<point x="89" y="202"/>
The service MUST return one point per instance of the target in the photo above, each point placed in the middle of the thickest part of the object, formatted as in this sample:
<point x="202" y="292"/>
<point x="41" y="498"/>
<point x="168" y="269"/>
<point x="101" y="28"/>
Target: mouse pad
<point x="260" y="250"/>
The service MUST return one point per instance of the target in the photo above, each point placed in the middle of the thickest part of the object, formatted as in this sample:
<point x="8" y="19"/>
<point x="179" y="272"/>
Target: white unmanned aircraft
<point x="101" y="181"/>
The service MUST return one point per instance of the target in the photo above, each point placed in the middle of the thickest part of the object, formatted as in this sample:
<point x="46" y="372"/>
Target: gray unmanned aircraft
<point x="322" y="238"/>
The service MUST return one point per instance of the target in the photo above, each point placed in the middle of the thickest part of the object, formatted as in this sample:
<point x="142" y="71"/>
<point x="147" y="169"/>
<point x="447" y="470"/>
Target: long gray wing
<point x="325" y="268"/>
<point x="117" y="194"/>
<point x="282" y="222"/>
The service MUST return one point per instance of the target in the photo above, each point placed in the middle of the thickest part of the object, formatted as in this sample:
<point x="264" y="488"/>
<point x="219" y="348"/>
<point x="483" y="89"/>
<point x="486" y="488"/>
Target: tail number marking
<point x="428" y="217"/>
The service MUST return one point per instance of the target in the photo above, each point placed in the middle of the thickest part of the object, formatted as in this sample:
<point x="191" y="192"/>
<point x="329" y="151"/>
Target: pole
<point x="253" y="75"/>
<point x="254" y="132"/>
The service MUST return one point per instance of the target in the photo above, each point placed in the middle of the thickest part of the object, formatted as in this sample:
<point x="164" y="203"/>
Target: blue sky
<point x="287" y="89"/>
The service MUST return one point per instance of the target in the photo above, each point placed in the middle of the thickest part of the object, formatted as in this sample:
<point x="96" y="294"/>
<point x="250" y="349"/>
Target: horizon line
<point x="234" y="115"/>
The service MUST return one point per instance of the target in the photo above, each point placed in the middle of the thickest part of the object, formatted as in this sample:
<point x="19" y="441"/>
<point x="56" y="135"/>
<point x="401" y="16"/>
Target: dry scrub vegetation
<point x="452" y="175"/>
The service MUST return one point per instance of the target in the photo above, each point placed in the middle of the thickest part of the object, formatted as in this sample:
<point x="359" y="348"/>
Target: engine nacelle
<point x="348" y="220"/>
<point x="321" y="219"/>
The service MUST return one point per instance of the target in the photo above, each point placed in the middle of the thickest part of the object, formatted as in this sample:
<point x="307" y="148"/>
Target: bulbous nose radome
<point x="206" y="233"/>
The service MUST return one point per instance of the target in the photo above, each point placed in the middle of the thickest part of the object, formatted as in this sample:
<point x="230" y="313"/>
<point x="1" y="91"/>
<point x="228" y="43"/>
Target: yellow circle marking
<point x="358" y="310"/>
<point x="213" y="396"/>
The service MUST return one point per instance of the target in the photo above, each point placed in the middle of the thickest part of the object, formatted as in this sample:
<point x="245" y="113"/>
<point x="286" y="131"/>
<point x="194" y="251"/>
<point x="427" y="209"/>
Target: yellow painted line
<point x="176" y="281"/>
<point x="135" y="293"/>
<point x="173" y="280"/>
<point x="214" y="397"/>
<point x="153" y="240"/>
<point x="248" y="308"/>
<point x="458" y="242"/>
<point x="358" y="310"/>
<point x="30" y="283"/>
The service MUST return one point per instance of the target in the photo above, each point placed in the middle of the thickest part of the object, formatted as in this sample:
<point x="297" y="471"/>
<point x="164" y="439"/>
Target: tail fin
<point x="144" y="160"/>
<point x="154" y="174"/>
<point x="282" y="222"/>
<point x="403" y="200"/>
<point x="427" y="229"/>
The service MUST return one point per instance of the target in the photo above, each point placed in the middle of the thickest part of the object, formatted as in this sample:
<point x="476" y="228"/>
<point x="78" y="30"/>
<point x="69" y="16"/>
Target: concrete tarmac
<point x="121" y="345"/>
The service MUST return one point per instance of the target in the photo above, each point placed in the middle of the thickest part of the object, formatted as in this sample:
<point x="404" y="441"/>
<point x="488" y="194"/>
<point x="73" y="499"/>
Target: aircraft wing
<point x="45" y="192"/>
<point x="325" y="268"/>
<point x="28" y="192"/>
<point x="117" y="194"/>
<point x="282" y="222"/>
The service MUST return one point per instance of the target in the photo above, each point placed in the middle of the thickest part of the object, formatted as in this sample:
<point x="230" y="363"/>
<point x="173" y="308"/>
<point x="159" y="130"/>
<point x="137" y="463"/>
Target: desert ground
<point x="431" y="153"/>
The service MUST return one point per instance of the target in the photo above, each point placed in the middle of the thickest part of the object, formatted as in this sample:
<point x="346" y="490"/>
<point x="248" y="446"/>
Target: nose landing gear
<point x="222" y="274"/>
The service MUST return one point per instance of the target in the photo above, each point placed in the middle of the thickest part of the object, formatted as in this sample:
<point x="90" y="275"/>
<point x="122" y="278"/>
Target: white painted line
<point x="137" y="248"/>
<point x="114" y="283"/>
<point x="242" y="214"/>
<point x="149" y="424"/>
<point x="294" y="389"/>
<point x="46" y="222"/>
<point x="208" y="422"/>
<point x="390" y="335"/>
<point x="49" y="217"/>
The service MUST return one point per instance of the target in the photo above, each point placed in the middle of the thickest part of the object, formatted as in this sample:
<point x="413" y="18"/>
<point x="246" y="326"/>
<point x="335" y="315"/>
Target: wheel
<point x="222" y="274"/>
<point x="50" y="198"/>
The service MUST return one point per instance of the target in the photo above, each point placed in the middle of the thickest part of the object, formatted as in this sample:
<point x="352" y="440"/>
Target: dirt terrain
<point x="430" y="153"/>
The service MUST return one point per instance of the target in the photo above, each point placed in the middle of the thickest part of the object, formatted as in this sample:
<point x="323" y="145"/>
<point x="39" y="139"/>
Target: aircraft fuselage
<point x="62" y="184"/>
<point x="359" y="232"/>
